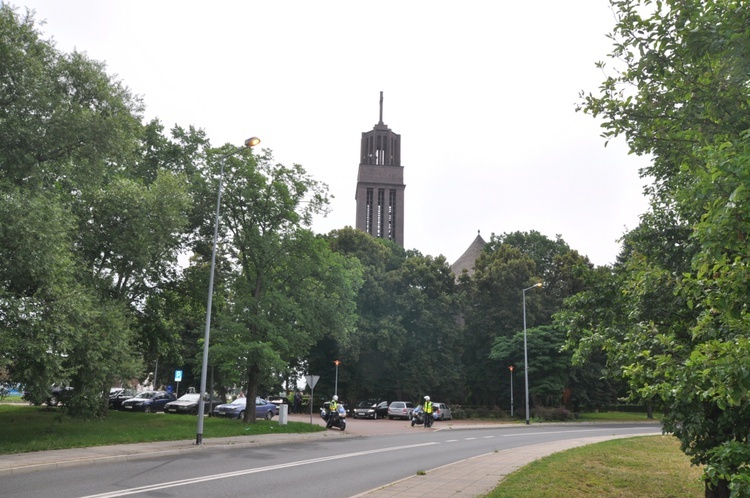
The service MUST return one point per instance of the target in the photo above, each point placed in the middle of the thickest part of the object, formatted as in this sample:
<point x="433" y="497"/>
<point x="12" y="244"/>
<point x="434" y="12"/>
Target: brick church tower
<point x="380" y="184"/>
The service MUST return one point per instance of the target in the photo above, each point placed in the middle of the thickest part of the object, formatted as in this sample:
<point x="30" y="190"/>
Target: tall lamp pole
<point x="250" y="142"/>
<point x="526" y="350"/>
<point x="511" y="390"/>
<point x="336" y="386"/>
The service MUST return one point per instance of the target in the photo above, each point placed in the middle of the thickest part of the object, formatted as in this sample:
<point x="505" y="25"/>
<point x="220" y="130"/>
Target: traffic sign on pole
<point x="311" y="381"/>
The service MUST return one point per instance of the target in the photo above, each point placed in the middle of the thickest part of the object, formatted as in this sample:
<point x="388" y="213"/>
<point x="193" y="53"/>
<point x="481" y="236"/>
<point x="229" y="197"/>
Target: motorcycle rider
<point x="427" y="407"/>
<point x="334" y="417"/>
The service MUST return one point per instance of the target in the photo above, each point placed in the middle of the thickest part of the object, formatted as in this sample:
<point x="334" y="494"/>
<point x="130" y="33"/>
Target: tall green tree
<point x="407" y="341"/>
<point x="549" y="366"/>
<point x="369" y="358"/>
<point x="493" y="307"/>
<point x="103" y="222"/>
<point x="429" y="363"/>
<point x="493" y="302"/>
<point x="286" y="287"/>
<point x="679" y="92"/>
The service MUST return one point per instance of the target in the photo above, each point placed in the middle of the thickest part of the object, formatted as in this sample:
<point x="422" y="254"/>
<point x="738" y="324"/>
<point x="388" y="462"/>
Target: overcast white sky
<point x="481" y="92"/>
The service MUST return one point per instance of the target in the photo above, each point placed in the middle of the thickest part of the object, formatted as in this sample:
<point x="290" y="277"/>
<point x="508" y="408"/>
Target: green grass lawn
<point x="26" y="428"/>
<point x="616" y="417"/>
<point x="651" y="467"/>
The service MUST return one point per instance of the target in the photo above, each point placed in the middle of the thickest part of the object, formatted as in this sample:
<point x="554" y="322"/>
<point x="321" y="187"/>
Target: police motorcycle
<point x="336" y="418"/>
<point x="417" y="416"/>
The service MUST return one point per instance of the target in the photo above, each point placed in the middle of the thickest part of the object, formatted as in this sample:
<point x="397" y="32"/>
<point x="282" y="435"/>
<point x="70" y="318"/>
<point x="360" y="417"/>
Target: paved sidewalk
<point x="472" y="477"/>
<point x="479" y="475"/>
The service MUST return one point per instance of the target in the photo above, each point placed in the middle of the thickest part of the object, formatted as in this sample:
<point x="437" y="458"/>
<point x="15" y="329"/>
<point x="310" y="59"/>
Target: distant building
<point x="469" y="257"/>
<point x="380" y="184"/>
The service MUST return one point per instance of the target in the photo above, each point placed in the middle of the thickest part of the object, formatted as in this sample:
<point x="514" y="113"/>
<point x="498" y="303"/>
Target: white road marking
<point x="227" y="475"/>
<point x="185" y="482"/>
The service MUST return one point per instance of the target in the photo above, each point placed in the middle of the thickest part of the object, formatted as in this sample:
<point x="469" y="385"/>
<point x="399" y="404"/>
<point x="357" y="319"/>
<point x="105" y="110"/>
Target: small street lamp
<point x="250" y="142"/>
<point x="511" y="390"/>
<point x="336" y="385"/>
<point x="526" y="350"/>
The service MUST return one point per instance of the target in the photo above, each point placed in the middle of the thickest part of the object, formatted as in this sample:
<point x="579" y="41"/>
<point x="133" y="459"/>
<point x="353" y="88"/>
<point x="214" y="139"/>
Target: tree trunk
<point x="721" y="490"/>
<point x="252" y="393"/>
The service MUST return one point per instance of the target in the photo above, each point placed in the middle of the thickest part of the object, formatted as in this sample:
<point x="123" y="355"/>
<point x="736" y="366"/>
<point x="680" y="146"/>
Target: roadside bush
<point x="465" y="412"/>
<point x="458" y="412"/>
<point x="548" y="414"/>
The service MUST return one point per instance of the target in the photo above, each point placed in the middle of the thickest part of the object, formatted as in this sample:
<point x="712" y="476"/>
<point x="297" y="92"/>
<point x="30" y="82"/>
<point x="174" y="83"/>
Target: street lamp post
<point x="336" y="385"/>
<point x="250" y="142"/>
<point x="526" y="350"/>
<point x="511" y="390"/>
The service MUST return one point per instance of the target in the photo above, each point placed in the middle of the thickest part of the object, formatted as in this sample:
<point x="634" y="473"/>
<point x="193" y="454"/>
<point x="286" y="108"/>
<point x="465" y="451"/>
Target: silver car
<point x="400" y="409"/>
<point x="441" y="411"/>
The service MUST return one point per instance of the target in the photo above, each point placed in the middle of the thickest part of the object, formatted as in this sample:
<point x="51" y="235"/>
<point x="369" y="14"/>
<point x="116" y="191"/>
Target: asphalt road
<point x="331" y="467"/>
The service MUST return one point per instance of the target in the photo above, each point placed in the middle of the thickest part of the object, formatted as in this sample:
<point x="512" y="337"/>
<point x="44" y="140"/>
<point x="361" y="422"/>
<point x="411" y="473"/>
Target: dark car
<point x="148" y="401"/>
<point x="117" y="395"/>
<point x="188" y="404"/>
<point x="371" y="409"/>
<point x="278" y="401"/>
<point x="59" y="395"/>
<point x="55" y="396"/>
<point x="236" y="409"/>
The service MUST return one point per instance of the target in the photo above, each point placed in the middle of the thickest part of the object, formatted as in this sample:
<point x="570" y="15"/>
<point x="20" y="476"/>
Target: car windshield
<point x="239" y="401"/>
<point x="190" y="397"/>
<point x="146" y="395"/>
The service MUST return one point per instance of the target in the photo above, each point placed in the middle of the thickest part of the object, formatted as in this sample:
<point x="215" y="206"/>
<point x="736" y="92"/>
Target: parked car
<point x="55" y="396"/>
<point x="148" y="401"/>
<point x="236" y="409"/>
<point x="117" y="395"/>
<point x="441" y="411"/>
<point x="278" y="401"/>
<point x="400" y="409"/>
<point x="188" y="404"/>
<point x="59" y="395"/>
<point x="371" y="409"/>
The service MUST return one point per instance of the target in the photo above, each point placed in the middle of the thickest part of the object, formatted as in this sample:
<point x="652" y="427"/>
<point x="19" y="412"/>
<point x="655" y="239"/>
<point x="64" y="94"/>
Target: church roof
<point x="467" y="259"/>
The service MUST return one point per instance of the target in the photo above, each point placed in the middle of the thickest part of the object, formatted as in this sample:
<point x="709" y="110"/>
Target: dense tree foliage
<point x="549" y="374"/>
<point x="106" y="232"/>
<point x="492" y="300"/>
<point x="679" y="325"/>
<point x="407" y="341"/>
<point x="66" y="129"/>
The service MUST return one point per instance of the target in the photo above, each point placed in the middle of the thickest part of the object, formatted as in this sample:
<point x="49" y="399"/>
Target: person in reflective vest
<point x="427" y="412"/>
<point x="333" y="406"/>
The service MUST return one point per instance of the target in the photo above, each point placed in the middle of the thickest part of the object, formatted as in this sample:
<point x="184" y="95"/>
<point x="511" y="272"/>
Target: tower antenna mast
<point x="381" y="108"/>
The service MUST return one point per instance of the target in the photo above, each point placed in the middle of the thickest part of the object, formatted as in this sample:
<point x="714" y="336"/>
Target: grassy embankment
<point x="652" y="467"/>
<point x="26" y="428"/>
